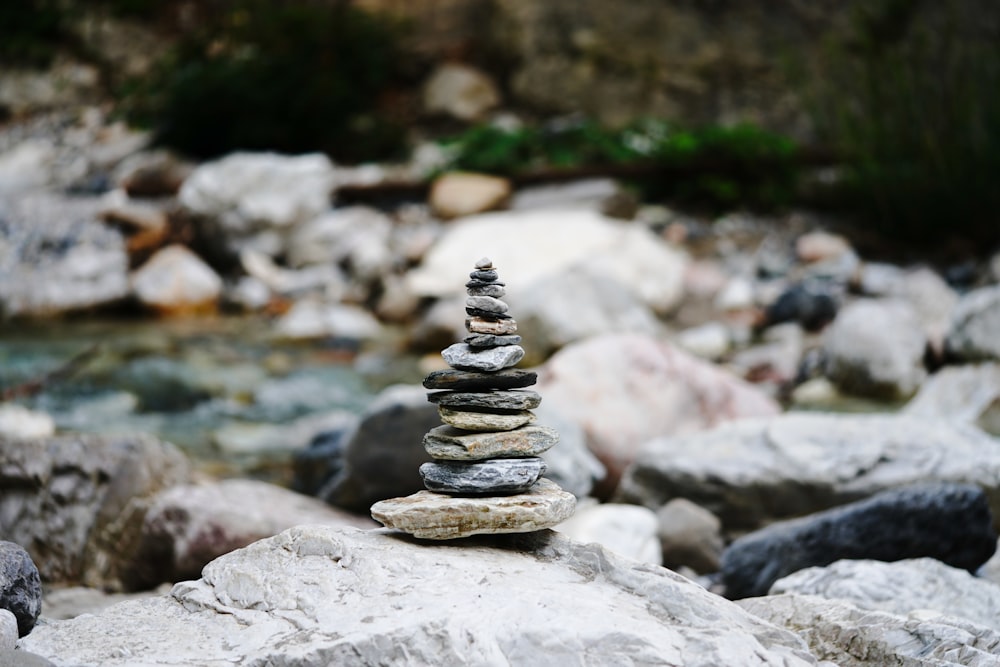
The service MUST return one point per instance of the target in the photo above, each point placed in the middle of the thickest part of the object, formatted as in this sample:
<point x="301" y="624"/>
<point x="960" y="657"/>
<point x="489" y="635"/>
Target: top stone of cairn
<point x="484" y="264"/>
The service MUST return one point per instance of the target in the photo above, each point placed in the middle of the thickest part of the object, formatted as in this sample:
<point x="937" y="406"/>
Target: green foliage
<point x="258" y="75"/>
<point x="30" y="31"/>
<point x="717" y="166"/>
<point x="911" y="95"/>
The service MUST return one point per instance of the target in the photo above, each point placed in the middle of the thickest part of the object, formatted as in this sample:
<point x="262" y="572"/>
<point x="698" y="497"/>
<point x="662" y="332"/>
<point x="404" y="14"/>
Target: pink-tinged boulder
<point x="625" y="389"/>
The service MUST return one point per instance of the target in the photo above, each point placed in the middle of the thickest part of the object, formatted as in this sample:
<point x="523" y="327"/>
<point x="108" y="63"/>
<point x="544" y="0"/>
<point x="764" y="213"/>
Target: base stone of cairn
<point x="486" y="476"/>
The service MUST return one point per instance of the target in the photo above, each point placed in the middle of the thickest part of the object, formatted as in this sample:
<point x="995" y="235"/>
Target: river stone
<point x="476" y="284"/>
<point x="486" y="275"/>
<point x="485" y="421"/>
<point x="847" y="636"/>
<point x="484" y="264"/>
<point x="489" y="340"/>
<point x="487" y="303"/>
<point x="8" y="631"/>
<point x="950" y="522"/>
<point x="282" y="602"/>
<point x="509" y="378"/>
<point x="480" y="325"/>
<point x="20" y="586"/>
<point x="476" y="288"/>
<point x="463" y="357"/>
<point x="498" y="400"/>
<point x="494" y="477"/>
<point x="486" y="314"/>
<point x="437" y="516"/>
<point x="175" y="281"/>
<point x="975" y="326"/>
<point x="445" y="442"/>
<point x="900" y="588"/>
<point x="969" y="393"/>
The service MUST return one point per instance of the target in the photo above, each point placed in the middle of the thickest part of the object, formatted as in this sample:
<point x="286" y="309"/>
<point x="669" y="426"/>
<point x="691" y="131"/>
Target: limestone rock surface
<point x="485" y="421"/>
<point x="974" y="334"/>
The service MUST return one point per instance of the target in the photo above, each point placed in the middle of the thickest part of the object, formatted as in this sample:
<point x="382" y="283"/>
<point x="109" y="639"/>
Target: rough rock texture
<point x="969" y="393"/>
<point x="20" y="586"/>
<point x="176" y="281"/>
<point x="458" y="194"/>
<point x="77" y="502"/>
<point x="282" y="602"/>
<point x="950" y="522"/>
<point x="900" y="588"/>
<point x="485" y="421"/>
<point x="56" y="257"/>
<point x="630" y="254"/>
<point x="446" y="442"/>
<point x="492" y="477"/>
<point x="462" y="357"/>
<point x="628" y="530"/>
<point x="850" y="637"/>
<point x="188" y="526"/>
<point x="690" y="536"/>
<point x="975" y="327"/>
<point x="8" y="631"/>
<point x="624" y="389"/>
<point x="382" y="456"/>
<point x="876" y="348"/>
<point x="756" y="471"/>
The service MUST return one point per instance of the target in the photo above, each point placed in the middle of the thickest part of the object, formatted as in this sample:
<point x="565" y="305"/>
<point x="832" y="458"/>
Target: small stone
<point x="484" y="264"/>
<point x="20" y="586"/>
<point x="487" y="303"/>
<point x="509" y="378"/>
<point x="487" y="276"/>
<point x="489" y="340"/>
<point x="463" y="357"/>
<point x="437" y="516"/>
<point x="469" y="420"/>
<point x="486" y="314"/>
<point x="484" y="326"/>
<point x="493" y="400"/>
<point x="446" y="442"/>
<point x="493" y="477"/>
<point x="475" y="288"/>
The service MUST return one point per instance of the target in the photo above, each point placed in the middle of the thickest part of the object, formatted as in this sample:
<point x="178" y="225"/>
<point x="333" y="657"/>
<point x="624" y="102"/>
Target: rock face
<point x="176" y="281"/>
<point x="20" y="586"/>
<point x="78" y="502"/>
<point x="851" y="637"/>
<point x="756" y="471"/>
<point x="900" y="588"/>
<point x="975" y="327"/>
<point x="282" y="602"/>
<point x="950" y="522"/>
<point x="188" y="526"/>
<point x="625" y="389"/>
<point x="876" y="348"/>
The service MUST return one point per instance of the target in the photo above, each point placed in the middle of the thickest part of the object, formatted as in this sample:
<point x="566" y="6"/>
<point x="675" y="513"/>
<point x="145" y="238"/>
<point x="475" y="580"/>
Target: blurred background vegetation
<point x="903" y="101"/>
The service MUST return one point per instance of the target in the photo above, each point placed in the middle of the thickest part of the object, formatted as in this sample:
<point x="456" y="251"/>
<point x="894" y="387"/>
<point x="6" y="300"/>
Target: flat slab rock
<point x="446" y="442"/>
<point x="486" y="421"/>
<point x="509" y="378"/>
<point x="437" y="516"/>
<point x="492" y="477"/>
<point x="464" y="357"/>
<point x="502" y="400"/>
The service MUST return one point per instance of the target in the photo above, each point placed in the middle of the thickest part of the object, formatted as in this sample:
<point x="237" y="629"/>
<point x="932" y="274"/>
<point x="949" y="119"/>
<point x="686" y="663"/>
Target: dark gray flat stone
<point x="493" y="477"/>
<point x="486" y="314"/>
<point x="472" y="284"/>
<point x="488" y="276"/>
<point x="485" y="289"/>
<point x="502" y="400"/>
<point x="509" y="378"/>
<point x="491" y="340"/>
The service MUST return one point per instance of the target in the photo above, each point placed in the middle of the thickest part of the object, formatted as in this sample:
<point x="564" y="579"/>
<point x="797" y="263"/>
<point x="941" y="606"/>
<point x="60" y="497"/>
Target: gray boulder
<point x="20" y="586"/>
<point x="974" y="334"/>
<point x="318" y="595"/>
<point x="969" y="393"/>
<point x="690" y="536"/>
<point x="752" y="472"/>
<point x="876" y="348"/>
<point x="903" y="587"/>
<point x="950" y="522"/>
<point x="78" y="501"/>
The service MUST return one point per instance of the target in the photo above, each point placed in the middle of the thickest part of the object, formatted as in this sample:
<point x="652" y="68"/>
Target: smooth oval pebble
<point x="484" y="263"/>
<point x="487" y="303"/>
<point x="487" y="276"/>
<point x="468" y="420"/>
<point x="494" y="477"/>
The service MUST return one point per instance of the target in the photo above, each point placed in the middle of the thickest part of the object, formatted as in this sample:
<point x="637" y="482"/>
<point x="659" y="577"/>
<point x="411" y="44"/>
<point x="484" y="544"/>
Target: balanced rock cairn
<point x="486" y="476"/>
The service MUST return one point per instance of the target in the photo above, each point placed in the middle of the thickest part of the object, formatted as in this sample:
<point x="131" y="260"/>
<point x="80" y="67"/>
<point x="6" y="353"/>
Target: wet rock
<point x="460" y="91"/>
<point x="876" y="348"/>
<point x="969" y="393"/>
<point x="255" y="605"/>
<point x="189" y="526"/>
<point x="636" y="375"/>
<point x="78" y="501"/>
<point x="491" y="477"/>
<point x="950" y="522"/>
<point x="627" y="530"/>
<point x="460" y="194"/>
<point x="690" y="536"/>
<point x="446" y="442"/>
<point x="17" y="422"/>
<point x="755" y="471"/>
<point x="20" y="587"/>
<point x="902" y="587"/>
<point x="175" y="281"/>
<point x="974" y="334"/>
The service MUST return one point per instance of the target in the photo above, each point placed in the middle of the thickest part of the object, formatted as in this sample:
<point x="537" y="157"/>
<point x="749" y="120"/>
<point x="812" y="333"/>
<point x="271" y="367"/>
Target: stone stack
<point x="486" y="473"/>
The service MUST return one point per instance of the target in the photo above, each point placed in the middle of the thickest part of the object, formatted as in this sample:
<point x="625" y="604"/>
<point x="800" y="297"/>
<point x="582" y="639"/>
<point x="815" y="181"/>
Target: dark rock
<point x="490" y="340"/>
<point x="480" y="325"/>
<point x="320" y="462"/>
<point x="482" y="284"/>
<point x="810" y="307"/>
<point x="492" y="400"/>
<point x="950" y="522"/>
<point x="492" y="477"/>
<point x="20" y="586"/>
<point x="476" y="288"/>
<point x="488" y="304"/>
<point x="487" y="276"/>
<point x="509" y="378"/>
<point x="486" y="314"/>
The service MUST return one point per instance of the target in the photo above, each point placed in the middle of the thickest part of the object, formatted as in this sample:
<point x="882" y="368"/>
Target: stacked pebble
<point x="486" y="472"/>
<point x="489" y="444"/>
